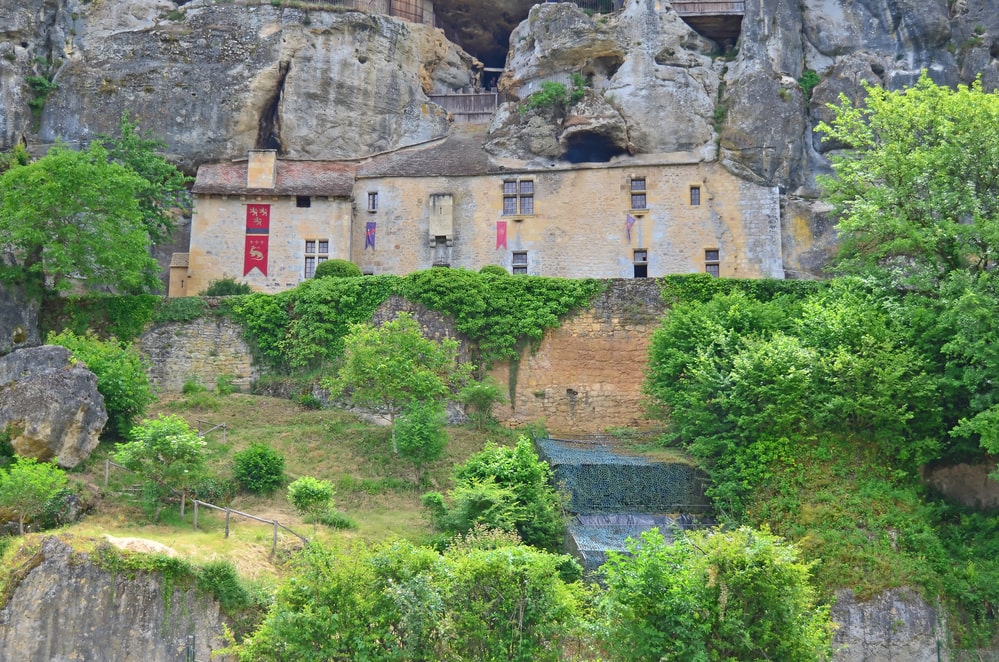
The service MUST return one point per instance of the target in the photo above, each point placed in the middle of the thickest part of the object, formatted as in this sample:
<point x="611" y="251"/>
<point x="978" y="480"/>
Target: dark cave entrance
<point x="591" y="148"/>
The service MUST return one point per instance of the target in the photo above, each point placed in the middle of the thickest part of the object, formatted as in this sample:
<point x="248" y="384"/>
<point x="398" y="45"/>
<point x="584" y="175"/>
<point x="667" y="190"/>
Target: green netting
<point x="601" y="480"/>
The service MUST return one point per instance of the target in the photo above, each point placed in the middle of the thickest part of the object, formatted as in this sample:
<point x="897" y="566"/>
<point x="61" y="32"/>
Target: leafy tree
<point x="167" y="454"/>
<point x="421" y="435"/>
<point x="163" y="194"/>
<point x="258" y="468"/>
<point x="915" y="191"/>
<point x="712" y="595"/>
<point x="392" y="366"/>
<point x="480" y="396"/>
<point x="121" y="376"/>
<point x="504" y="488"/>
<point x="73" y="215"/>
<point x="311" y="497"/>
<point x="27" y="487"/>
<point x="336" y="268"/>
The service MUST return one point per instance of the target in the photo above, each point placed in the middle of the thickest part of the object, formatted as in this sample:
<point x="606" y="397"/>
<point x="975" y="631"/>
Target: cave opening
<point x="269" y="124"/>
<point x="591" y="148"/>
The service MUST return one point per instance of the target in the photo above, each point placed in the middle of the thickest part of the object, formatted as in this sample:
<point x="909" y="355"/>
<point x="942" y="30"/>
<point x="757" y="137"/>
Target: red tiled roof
<point x="330" y="178"/>
<point x="460" y="154"/>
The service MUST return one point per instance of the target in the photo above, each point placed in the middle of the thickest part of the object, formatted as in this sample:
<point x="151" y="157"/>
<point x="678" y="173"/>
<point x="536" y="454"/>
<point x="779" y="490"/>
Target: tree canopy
<point x="915" y="189"/>
<point x="27" y="487"/>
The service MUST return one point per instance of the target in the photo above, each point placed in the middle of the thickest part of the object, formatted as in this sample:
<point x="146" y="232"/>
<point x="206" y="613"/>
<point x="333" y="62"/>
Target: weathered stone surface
<point x="895" y="625"/>
<point x="67" y="608"/>
<point x="968" y="484"/>
<point x="50" y="404"/>
<point x="215" y="81"/>
<point x="18" y="320"/>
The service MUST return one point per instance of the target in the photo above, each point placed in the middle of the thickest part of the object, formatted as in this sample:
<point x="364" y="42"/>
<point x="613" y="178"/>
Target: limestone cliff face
<point x="217" y="80"/>
<point x="66" y="607"/>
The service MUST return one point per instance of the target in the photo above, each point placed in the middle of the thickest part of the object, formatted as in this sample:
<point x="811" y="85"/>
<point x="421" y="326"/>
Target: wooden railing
<point x="468" y="108"/>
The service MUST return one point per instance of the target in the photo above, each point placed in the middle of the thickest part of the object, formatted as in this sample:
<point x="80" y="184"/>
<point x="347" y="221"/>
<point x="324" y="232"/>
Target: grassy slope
<point x="374" y="489"/>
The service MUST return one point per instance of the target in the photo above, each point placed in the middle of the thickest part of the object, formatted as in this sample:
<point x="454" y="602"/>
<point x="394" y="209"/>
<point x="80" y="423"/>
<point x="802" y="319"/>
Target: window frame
<point x="519" y="266"/>
<point x="712" y="262"/>
<point x="640" y="261"/>
<point x="314" y="255"/>
<point x="695" y="196"/>
<point x="372" y="201"/>
<point x="639" y="194"/>
<point x="518" y="197"/>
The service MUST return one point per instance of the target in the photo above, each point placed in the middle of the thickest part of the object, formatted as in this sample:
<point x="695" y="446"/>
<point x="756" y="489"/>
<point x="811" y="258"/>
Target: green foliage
<point x="421" y="435"/>
<point x="17" y="156"/>
<point x="337" y="268"/>
<point x="914" y="192"/>
<point x="121" y="376"/>
<point x="224" y="287"/>
<point x="392" y="366"/>
<point x="807" y="82"/>
<point x="305" y="327"/>
<point x="27" y="487"/>
<point x="503" y="488"/>
<point x="686" y="288"/>
<point x="162" y="193"/>
<point x="498" y="312"/>
<point x="258" y="468"/>
<point x="405" y="603"/>
<point x="167" y="455"/>
<point x="180" y="309"/>
<point x="720" y="595"/>
<point x="41" y="88"/>
<point x="192" y="386"/>
<point x="59" y="214"/>
<point x="122" y="316"/>
<point x="556" y="96"/>
<point x="220" y="580"/>
<point x="336" y="520"/>
<point x="311" y="497"/>
<point x="215" y="490"/>
<point x="224" y="385"/>
<point x="494" y="269"/>
<point x="480" y="397"/>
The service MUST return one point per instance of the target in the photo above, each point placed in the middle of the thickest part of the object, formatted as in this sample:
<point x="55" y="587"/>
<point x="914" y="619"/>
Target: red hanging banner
<point x="500" y="234"/>
<point x="255" y="254"/>
<point x="258" y="219"/>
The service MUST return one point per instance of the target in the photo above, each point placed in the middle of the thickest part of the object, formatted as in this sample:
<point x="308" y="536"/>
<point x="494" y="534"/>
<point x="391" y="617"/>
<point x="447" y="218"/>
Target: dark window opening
<point x="695" y="196"/>
<point x="712" y="264"/>
<point x="641" y="263"/>
<point x="303" y="201"/>
<point x="519" y="262"/>
<point x="373" y="201"/>
<point x="518" y="197"/>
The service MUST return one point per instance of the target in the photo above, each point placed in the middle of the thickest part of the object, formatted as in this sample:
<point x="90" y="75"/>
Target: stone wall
<point x="586" y="375"/>
<point x="202" y="350"/>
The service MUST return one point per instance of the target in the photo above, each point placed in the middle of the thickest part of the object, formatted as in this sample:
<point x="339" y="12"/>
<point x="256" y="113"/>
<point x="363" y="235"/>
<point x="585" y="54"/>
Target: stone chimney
<point x="261" y="172"/>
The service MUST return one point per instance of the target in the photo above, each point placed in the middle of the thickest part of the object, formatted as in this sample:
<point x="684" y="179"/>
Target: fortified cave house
<point x="268" y="221"/>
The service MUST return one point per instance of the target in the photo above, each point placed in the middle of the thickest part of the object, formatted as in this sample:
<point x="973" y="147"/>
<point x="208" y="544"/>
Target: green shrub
<point x="337" y="269"/>
<point x="192" y="385"/>
<point x="121" y="376"/>
<point x="224" y="385"/>
<point x="215" y="490"/>
<point x="809" y="79"/>
<point x="220" y="580"/>
<point x="308" y="401"/>
<point x="224" y="287"/>
<point x="494" y="269"/>
<point x="480" y="397"/>
<point x="179" y="309"/>
<point x="258" y="469"/>
<point x="336" y="520"/>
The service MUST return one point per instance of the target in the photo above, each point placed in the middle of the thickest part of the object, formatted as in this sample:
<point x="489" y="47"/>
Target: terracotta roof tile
<point x="331" y="178"/>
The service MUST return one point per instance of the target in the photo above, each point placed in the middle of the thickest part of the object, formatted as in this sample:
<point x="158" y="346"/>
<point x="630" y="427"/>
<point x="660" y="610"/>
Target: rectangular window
<point x="303" y="201"/>
<point x="641" y="262"/>
<point x="638" y="199"/>
<point x="712" y="264"/>
<point x="519" y="262"/>
<point x="518" y="197"/>
<point x="317" y="251"/>
<point x="373" y="201"/>
<point x="695" y="196"/>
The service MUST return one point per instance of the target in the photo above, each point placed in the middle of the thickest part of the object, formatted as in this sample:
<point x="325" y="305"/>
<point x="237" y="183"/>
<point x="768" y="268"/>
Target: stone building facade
<point x="448" y="203"/>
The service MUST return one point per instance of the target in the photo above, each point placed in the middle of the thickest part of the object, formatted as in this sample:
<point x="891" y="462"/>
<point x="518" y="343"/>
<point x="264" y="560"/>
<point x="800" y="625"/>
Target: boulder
<point x="50" y="405"/>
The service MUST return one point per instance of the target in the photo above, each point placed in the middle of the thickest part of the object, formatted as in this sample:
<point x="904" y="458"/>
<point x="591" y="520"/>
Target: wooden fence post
<point x="195" y="514"/>
<point x="227" y="522"/>
<point x="274" y="544"/>
<point x="107" y="470"/>
<point x="183" y="498"/>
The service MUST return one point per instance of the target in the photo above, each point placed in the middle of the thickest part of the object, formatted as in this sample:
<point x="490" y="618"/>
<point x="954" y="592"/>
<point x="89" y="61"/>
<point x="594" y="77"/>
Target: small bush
<point x="494" y="269"/>
<point x="121" y="376"/>
<point x="219" y="579"/>
<point x="308" y="401"/>
<point x="215" y="490"/>
<point x="192" y="386"/>
<point x="259" y="469"/>
<point x="337" y="269"/>
<point x="224" y="287"/>
<point x="809" y="79"/>
<point x="224" y="385"/>
<point x="336" y="520"/>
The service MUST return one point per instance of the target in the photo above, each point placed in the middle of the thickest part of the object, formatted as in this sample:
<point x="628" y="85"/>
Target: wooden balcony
<point x="717" y="20"/>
